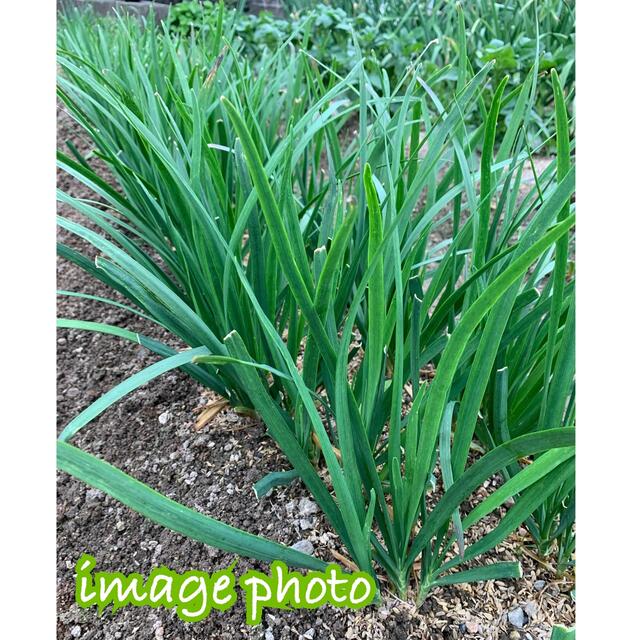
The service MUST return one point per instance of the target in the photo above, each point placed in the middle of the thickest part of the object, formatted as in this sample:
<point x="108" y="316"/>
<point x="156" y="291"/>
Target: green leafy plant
<point x="152" y="107"/>
<point x="562" y="633"/>
<point x="532" y="383"/>
<point x="299" y="270"/>
<point x="516" y="35"/>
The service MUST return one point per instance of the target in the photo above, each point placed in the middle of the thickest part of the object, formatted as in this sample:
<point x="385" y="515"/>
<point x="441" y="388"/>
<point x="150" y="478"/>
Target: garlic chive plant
<point x="297" y="264"/>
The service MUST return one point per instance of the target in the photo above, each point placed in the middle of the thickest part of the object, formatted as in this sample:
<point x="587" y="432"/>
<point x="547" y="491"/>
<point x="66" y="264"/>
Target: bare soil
<point x="152" y="435"/>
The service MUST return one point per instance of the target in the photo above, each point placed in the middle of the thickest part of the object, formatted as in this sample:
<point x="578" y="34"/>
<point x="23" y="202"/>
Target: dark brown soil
<point x="151" y="435"/>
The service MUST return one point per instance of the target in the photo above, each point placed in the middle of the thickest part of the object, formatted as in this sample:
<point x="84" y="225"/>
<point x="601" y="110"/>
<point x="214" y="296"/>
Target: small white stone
<point x="516" y="617"/>
<point x="307" y="507"/>
<point x="531" y="609"/>
<point x="304" y="546"/>
<point x="163" y="418"/>
<point x="93" y="495"/>
<point x="305" y="524"/>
